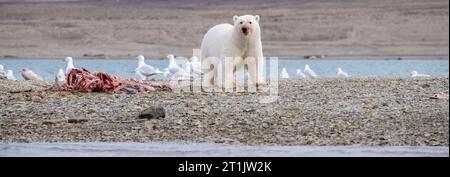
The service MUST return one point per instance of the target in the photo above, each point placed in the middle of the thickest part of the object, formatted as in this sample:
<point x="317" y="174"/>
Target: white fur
<point x="228" y="44"/>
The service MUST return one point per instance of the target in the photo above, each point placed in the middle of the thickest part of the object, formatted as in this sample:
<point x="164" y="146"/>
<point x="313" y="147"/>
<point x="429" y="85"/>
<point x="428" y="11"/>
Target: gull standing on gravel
<point x="173" y="66"/>
<point x="166" y="72"/>
<point x="10" y="75"/>
<point x="175" y="70"/>
<point x="309" y="72"/>
<point x="2" y="73"/>
<point x="341" y="73"/>
<point x="69" y="66"/>
<point x="6" y="75"/>
<point x="60" y="76"/>
<point x="191" y="68"/>
<point x="300" y="74"/>
<point x="186" y="67"/>
<point x="284" y="74"/>
<point x="30" y="75"/>
<point x="138" y="75"/>
<point x="196" y="66"/>
<point x="144" y="71"/>
<point x="416" y="74"/>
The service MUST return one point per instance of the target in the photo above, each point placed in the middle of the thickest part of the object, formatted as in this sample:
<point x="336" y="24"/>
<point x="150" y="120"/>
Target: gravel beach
<point x="325" y="111"/>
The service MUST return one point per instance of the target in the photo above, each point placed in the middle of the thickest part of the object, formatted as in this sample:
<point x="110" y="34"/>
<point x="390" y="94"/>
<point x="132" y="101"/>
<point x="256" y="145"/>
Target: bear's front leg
<point x="261" y="81"/>
<point x="229" y="83"/>
<point x="256" y="64"/>
<point x="256" y="69"/>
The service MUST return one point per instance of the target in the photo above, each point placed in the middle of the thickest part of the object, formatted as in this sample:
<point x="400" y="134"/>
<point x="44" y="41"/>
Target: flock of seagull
<point x="309" y="73"/>
<point x="147" y="72"/>
<point x="189" y="70"/>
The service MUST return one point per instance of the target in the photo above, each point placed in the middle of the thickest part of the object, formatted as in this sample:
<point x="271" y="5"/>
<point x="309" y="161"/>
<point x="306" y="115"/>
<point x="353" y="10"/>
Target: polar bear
<point x="227" y="48"/>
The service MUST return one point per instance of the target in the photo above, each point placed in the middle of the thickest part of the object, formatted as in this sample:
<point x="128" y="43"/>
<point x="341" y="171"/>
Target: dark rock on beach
<point x="154" y="112"/>
<point x="75" y="121"/>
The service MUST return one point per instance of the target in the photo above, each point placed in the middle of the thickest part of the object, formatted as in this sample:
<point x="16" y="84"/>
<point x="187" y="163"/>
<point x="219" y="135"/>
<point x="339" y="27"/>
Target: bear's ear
<point x="235" y="18"/>
<point x="257" y="18"/>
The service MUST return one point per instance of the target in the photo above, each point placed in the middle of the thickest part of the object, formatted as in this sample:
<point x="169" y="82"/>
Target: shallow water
<point x="324" y="68"/>
<point x="203" y="149"/>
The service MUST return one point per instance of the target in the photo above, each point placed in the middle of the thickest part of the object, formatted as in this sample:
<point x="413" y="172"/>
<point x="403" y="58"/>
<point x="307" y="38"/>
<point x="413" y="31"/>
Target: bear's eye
<point x="250" y="23"/>
<point x="242" y="23"/>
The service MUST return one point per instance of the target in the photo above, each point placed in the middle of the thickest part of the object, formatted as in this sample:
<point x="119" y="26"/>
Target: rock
<point x="77" y="120"/>
<point x="153" y="112"/>
<point x="149" y="126"/>
<point x="425" y="85"/>
<point x="24" y="140"/>
<point x="135" y="128"/>
<point x="249" y="110"/>
<point x="51" y="122"/>
<point x="36" y="99"/>
<point x="130" y="90"/>
<point x="192" y="113"/>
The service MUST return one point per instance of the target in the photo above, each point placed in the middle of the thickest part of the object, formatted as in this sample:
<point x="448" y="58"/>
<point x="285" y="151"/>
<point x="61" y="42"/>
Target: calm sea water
<point x="324" y="68"/>
<point x="203" y="149"/>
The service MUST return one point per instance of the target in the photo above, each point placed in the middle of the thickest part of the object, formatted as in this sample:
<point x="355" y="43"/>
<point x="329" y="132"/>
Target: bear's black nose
<point x="244" y="29"/>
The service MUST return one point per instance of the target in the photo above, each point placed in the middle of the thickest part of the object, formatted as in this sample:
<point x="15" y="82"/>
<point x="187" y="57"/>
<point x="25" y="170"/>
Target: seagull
<point x="192" y="68"/>
<point x="284" y="74"/>
<point x="145" y="70"/>
<point x="29" y="75"/>
<point x="138" y="75"/>
<point x="341" y="73"/>
<point x="416" y="74"/>
<point x="196" y="66"/>
<point x="166" y="72"/>
<point x="10" y="75"/>
<point x="180" y="75"/>
<point x="173" y="66"/>
<point x="2" y="73"/>
<point x="70" y="66"/>
<point x="60" y="76"/>
<point x="309" y="72"/>
<point x="187" y="67"/>
<point x="300" y="74"/>
<point x="175" y="70"/>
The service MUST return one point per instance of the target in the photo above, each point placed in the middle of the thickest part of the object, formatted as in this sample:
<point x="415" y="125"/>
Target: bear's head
<point x="247" y="25"/>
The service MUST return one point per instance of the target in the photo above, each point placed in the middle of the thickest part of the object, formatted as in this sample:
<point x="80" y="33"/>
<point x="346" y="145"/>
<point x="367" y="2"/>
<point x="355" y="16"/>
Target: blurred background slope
<point x="290" y="28"/>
